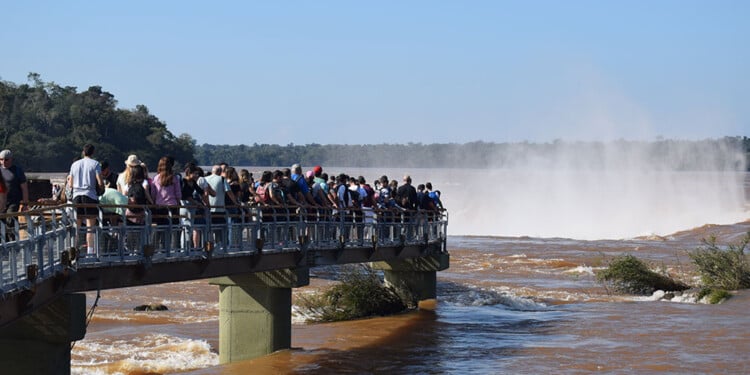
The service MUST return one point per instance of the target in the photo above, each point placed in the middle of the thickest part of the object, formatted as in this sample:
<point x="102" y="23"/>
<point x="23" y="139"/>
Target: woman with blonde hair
<point x="123" y="179"/>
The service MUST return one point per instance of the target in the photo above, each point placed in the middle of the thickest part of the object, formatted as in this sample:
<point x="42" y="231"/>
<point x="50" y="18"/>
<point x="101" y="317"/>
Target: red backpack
<point x="262" y="194"/>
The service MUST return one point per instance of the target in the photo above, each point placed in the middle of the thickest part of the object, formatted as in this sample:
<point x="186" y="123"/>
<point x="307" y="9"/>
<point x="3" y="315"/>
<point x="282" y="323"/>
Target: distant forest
<point x="46" y="125"/>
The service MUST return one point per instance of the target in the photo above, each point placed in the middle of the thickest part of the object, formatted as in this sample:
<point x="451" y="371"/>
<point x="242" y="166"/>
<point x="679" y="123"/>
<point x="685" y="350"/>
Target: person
<point x="195" y="193"/>
<point x="167" y="194"/>
<point x="247" y="187"/>
<point x="138" y="192"/>
<point x="15" y="180"/>
<point x="85" y="177"/>
<point x="407" y="194"/>
<point x="123" y="179"/>
<point x="434" y="195"/>
<point x="166" y="191"/>
<point x="108" y="175"/>
<point x="304" y="188"/>
<point x="218" y="202"/>
<point x="114" y="198"/>
<point x="3" y="193"/>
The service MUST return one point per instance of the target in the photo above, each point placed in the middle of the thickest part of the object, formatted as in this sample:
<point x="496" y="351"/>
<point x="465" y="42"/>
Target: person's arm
<point x="3" y="201"/>
<point x="25" y="194"/>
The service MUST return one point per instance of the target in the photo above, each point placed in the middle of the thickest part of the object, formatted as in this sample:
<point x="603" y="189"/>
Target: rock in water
<point x="151" y="307"/>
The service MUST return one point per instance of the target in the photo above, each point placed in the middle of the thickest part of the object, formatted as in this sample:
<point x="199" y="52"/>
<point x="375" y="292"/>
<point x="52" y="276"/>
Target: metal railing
<point x="36" y="244"/>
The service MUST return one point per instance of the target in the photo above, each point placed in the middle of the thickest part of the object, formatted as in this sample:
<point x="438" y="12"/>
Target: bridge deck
<point x="43" y="251"/>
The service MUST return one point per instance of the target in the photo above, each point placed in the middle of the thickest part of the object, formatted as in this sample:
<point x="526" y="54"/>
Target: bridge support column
<point x="39" y="343"/>
<point x="416" y="276"/>
<point x="255" y="312"/>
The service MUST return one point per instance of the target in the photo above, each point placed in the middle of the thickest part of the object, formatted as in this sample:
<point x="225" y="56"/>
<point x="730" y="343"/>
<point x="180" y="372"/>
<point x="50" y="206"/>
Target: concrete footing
<point x="416" y="275"/>
<point x="255" y="312"/>
<point x="39" y="343"/>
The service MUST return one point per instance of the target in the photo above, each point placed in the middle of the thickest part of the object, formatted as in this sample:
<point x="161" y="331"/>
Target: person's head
<point x="165" y="166"/>
<point x="428" y="186"/>
<point x="287" y="172"/>
<point x="6" y="158"/>
<point x="245" y="176"/>
<point x="278" y="175"/>
<point x="324" y="176"/>
<point x="384" y="180"/>
<point x="191" y="171"/>
<point x="342" y="179"/>
<point x="216" y="170"/>
<point x="266" y="177"/>
<point x="137" y="173"/>
<point x="318" y="170"/>
<point x="88" y="149"/>
<point x="420" y="187"/>
<point x="231" y="174"/>
<point x="131" y="161"/>
<point x="296" y="169"/>
<point x="393" y="184"/>
<point x="361" y="180"/>
<point x="105" y="168"/>
<point x="407" y="179"/>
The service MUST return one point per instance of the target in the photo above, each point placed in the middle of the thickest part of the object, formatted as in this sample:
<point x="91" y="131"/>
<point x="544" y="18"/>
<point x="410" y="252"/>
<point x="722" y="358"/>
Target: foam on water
<point x="153" y="353"/>
<point x="489" y="297"/>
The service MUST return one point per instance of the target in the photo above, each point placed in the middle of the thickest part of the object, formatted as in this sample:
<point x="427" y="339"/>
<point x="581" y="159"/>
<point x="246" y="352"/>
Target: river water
<point x="519" y="297"/>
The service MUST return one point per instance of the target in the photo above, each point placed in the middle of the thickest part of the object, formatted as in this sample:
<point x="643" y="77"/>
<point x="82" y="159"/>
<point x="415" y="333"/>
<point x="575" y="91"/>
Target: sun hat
<point x="132" y="161"/>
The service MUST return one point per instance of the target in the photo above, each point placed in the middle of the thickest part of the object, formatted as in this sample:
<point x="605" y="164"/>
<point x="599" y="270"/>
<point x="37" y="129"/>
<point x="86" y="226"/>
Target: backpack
<point x="137" y="196"/>
<point x="354" y="200"/>
<point x="262" y="193"/>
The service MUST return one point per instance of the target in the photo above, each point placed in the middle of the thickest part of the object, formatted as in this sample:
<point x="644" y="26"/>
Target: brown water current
<point x="506" y="305"/>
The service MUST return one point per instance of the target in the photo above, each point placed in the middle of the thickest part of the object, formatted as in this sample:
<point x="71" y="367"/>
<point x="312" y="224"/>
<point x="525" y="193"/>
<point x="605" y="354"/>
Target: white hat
<point x="132" y="161"/>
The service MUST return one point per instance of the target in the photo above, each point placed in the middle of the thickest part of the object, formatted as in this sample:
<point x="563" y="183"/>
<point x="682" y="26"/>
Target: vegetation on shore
<point x="46" y="125"/>
<point x="720" y="270"/>
<point x="629" y="275"/>
<point x="359" y="294"/>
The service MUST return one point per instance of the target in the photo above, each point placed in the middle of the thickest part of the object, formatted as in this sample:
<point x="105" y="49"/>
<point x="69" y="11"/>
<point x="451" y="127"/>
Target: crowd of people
<point x="92" y="185"/>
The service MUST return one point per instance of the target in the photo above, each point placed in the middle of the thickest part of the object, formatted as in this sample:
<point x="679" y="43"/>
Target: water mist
<point x="598" y="190"/>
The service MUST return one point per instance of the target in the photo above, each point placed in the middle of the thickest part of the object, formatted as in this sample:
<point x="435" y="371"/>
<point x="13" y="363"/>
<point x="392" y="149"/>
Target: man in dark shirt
<point x="407" y="194"/>
<point x="18" y="188"/>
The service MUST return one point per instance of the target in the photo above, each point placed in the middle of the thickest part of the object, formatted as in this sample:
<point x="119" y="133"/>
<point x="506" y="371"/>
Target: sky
<point x="353" y="72"/>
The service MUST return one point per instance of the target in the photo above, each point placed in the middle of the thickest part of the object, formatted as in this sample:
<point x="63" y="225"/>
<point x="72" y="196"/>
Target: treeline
<point x="729" y="153"/>
<point x="46" y="126"/>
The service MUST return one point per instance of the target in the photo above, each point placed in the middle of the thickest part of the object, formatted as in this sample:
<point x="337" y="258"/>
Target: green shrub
<point x="629" y="275"/>
<point x="714" y="295"/>
<point x="360" y="294"/>
<point x="723" y="268"/>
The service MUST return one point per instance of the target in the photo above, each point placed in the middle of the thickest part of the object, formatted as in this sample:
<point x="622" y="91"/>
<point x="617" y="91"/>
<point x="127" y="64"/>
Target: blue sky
<point x="399" y="71"/>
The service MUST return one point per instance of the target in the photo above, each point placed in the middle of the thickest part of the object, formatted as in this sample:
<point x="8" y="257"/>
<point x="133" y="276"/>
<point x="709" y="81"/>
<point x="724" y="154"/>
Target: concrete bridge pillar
<point x="416" y="275"/>
<point x="39" y="343"/>
<point x="255" y="312"/>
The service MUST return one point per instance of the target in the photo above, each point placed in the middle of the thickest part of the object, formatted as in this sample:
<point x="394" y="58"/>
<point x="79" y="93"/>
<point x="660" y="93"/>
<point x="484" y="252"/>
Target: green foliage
<point x="723" y="268"/>
<point x="476" y="154"/>
<point x="46" y="126"/>
<point x="714" y="295"/>
<point x="628" y="274"/>
<point x="360" y="294"/>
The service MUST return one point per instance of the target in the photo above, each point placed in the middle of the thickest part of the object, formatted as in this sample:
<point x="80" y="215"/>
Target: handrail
<point x="38" y="243"/>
